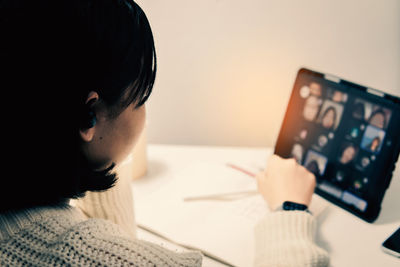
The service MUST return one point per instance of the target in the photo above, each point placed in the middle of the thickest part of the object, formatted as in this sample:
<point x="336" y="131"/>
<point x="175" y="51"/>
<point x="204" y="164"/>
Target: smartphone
<point x="392" y="244"/>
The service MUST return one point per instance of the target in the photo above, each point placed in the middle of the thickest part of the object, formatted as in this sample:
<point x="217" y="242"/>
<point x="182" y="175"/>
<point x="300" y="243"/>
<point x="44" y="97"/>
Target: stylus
<point x="224" y="196"/>
<point x="233" y="166"/>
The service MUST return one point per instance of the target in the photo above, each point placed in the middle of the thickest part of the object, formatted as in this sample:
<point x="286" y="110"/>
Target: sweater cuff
<point x="286" y="226"/>
<point x="286" y="238"/>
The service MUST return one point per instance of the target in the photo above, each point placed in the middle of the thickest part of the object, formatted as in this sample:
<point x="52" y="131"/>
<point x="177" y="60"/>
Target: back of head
<point x="52" y="54"/>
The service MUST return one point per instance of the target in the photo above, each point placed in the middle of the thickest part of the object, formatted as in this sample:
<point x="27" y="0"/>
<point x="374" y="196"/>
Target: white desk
<point x="349" y="240"/>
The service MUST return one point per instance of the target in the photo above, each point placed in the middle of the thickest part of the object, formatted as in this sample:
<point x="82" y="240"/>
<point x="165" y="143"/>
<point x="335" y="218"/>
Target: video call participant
<point x="339" y="96"/>
<point x="315" y="89"/>
<point x="83" y="69"/>
<point x="313" y="167"/>
<point x="359" y="111"/>
<point x="311" y="108"/>
<point x="328" y="119"/>
<point x="378" y="119"/>
<point x="374" y="145"/>
<point x="297" y="153"/>
<point x="348" y="154"/>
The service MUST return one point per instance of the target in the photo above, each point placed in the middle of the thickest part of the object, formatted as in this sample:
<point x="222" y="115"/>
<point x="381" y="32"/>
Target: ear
<point x="87" y="134"/>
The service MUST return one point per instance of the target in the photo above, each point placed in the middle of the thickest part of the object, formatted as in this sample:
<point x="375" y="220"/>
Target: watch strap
<point x="290" y="206"/>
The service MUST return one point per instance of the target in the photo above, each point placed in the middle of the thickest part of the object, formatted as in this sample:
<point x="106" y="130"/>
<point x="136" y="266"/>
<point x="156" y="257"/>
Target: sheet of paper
<point x="223" y="228"/>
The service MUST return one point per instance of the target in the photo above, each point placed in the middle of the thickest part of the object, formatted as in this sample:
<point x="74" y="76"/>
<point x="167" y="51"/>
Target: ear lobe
<point x="87" y="134"/>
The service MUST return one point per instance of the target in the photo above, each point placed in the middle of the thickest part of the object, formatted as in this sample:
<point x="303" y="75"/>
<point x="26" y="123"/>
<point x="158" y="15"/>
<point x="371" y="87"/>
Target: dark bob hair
<point x="52" y="54"/>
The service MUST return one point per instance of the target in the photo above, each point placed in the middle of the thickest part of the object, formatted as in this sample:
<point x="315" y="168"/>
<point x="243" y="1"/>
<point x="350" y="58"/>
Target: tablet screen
<point x="346" y="136"/>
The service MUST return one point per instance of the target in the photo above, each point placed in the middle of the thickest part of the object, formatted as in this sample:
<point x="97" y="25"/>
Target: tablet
<point x="347" y="135"/>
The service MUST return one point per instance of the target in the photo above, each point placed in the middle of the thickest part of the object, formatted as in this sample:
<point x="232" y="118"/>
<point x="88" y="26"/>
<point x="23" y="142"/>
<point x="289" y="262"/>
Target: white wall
<point x="226" y="67"/>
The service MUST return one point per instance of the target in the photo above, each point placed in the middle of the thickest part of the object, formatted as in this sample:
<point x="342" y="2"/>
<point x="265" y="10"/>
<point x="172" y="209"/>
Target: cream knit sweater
<point x="62" y="235"/>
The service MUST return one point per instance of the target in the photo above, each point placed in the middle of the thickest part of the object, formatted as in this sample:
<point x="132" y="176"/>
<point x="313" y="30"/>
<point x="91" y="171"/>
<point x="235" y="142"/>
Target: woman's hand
<point x="285" y="180"/>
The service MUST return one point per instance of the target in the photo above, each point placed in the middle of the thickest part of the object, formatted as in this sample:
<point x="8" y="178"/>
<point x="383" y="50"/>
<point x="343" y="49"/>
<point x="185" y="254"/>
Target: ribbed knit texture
<point x="286" y="238"/>
<point x="59" y="236"/>
<point x="115" y="204"/>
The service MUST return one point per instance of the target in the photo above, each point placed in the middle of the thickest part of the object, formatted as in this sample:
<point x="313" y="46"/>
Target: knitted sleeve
<point x="60" y="241"/>
<point x="97" y="242"/>
<point x="287" y="238"/>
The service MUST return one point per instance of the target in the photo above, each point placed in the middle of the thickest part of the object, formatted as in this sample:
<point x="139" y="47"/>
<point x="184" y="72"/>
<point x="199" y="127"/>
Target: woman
<point x="374" y="145"/>
<point x="311" y="108"/>
<point x="78" y="75"/>
<point x="378" y="119"/>
<point x="328" y="119"/>
<point x="348" y="154"/>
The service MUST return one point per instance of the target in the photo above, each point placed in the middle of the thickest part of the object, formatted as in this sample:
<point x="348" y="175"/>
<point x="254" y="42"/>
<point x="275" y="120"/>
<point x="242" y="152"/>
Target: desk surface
<point x="349" y="240"/>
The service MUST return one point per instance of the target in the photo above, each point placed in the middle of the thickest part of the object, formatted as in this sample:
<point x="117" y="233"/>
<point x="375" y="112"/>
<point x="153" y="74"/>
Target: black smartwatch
<point x="288" y="205"/>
